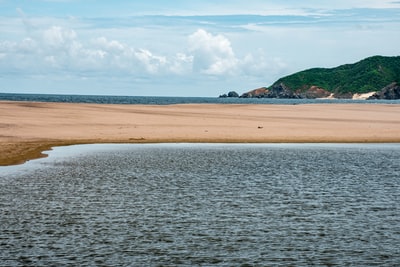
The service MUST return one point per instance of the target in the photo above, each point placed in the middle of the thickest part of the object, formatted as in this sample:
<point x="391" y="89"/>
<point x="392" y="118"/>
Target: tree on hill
<point x="370" y="74"/>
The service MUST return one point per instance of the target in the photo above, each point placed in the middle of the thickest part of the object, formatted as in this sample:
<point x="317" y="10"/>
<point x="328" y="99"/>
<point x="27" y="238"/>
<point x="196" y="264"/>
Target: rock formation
<point x="390" y="92"/>
<point x="230" y="94"/>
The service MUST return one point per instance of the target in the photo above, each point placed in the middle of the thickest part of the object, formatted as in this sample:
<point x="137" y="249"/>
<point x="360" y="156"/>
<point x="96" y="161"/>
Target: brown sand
<point x="27" y="128"/>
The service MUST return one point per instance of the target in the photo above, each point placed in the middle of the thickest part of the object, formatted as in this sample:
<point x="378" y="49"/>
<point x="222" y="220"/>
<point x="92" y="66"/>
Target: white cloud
<point x="152" y="63"/>
<point x="181" y="64"/>
<point x="258" y="64"/>
<point x="58" y="50"/>
<point x="212" y="54"/>
<point x="61" y="48"/>
<point x="112" y="45"/>
<point x="28" y="45"/>
<point x="139" y="61"/>
<point x="59" y="37"/>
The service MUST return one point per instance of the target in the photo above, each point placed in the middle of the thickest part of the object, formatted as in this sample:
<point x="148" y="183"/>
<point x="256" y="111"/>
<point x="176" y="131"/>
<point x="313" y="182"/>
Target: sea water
<point x="204" y="205"/>
<point x="158" y="100"/>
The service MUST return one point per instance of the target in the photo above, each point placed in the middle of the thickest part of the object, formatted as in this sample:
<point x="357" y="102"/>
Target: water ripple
<point x="219" y="205"/>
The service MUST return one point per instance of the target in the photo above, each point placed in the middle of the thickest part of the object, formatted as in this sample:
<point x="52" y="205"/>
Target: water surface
<point x="158" y="100"/>
<point x="204" y="204"/>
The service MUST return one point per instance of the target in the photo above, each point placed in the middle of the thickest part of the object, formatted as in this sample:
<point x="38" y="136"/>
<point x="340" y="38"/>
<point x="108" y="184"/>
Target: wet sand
<point x="28" y="128"/>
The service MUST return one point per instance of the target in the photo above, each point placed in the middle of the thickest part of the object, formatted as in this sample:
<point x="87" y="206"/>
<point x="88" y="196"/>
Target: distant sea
<point x="159" y="100"/>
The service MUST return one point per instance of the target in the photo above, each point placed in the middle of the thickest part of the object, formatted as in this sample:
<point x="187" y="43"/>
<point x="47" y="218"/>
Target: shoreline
<point x="27" y="151"/>
<point x="29" y="128"/>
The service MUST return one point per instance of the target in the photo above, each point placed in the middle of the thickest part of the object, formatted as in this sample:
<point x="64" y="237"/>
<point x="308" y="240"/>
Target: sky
<point x="183" y="47"/>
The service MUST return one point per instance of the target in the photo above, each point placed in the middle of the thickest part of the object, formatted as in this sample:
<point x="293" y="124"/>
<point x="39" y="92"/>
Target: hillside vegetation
<point x="370" y="74"/>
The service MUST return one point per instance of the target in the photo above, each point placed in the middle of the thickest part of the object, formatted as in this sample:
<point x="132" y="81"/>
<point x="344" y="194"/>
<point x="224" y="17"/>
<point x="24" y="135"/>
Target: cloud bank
<point x="58" y="50"/>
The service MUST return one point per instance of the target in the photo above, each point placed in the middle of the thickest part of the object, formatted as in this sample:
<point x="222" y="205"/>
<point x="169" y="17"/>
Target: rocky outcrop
<point x="390" y="92"/>
<point x="258" y="93"/>
<point x="282" y="91"/>
<point x="276" y="91"/>
<point x="230" y="94"/>
<point x="316" y="92"/>
<point x="343" y="95"/>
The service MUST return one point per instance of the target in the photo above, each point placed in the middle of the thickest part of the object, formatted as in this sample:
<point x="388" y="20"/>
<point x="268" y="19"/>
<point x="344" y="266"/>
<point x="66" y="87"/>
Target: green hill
<point x="370" y="74"/>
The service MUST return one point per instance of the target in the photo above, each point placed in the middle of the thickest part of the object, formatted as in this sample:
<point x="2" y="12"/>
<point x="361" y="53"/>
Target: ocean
<point x="158" y="100"/>
<point x="203" y="205"/>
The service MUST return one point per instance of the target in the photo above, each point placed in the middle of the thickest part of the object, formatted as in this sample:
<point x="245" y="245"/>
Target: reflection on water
<point x="223" y="205"/>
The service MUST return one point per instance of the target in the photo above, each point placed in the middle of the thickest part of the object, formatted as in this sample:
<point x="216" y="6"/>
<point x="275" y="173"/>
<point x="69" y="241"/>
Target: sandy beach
<point x="28" y="128"/>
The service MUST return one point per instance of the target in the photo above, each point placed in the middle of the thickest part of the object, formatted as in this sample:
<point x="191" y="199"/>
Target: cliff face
<point x="316" y="92"/>
<point x="390" y="92"/>
<point x="375" y="74"/>
<point x="283" y="91"/>
<point x="277" y="91"/>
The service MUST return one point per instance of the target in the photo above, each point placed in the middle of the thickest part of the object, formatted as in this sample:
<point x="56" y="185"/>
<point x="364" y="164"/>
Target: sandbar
<point x="28" y="128"/>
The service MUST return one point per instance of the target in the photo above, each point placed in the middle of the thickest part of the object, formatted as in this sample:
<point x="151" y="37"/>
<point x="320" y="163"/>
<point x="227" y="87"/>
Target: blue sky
<point x="183" y="48"/>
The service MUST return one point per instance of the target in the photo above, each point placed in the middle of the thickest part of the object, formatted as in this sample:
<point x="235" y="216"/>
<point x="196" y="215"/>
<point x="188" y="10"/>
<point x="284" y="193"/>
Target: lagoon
<point x="203" y="204"/>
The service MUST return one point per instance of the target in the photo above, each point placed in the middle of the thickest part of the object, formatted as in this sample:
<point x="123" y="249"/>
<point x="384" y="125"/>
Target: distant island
<point x="376" y="77"/>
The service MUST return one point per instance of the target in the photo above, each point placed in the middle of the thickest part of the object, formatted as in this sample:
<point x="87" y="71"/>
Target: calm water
<point x="149" y="100"/>
<point x="204" y="205"/>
